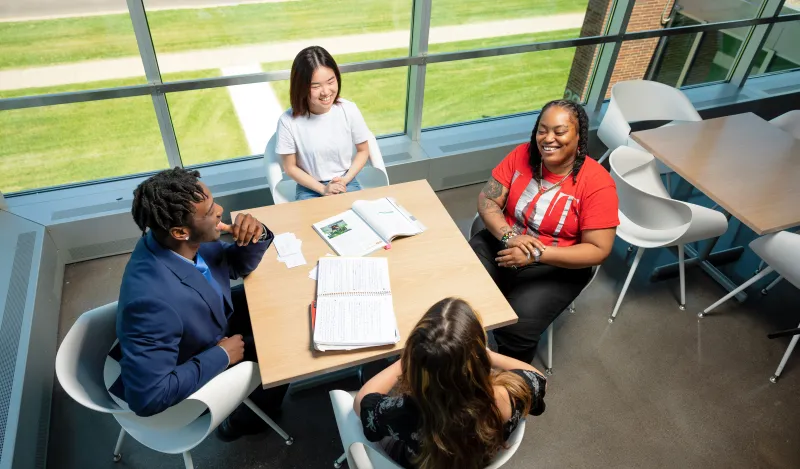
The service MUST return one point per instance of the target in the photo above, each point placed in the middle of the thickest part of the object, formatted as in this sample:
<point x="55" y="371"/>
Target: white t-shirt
<point x="324" y="143"/>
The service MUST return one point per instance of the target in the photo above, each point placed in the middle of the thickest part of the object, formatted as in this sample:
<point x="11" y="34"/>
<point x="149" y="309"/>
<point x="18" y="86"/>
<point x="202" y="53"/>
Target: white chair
<point x="781" y="251"/>
<point x="789" y="122"/>
<point x="649" y="218"/>
<point x="637" y="101"/>
<point x="283" y="187"/>
<point x="477" y="225"/>
<point x="363" y="454"/>
<point x="82" y="369"/>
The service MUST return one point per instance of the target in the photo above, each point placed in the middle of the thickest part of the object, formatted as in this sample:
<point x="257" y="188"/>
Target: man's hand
<point x="246" y="229"/>
<point x="234" y="347"/>
<point x="336" y="186"/>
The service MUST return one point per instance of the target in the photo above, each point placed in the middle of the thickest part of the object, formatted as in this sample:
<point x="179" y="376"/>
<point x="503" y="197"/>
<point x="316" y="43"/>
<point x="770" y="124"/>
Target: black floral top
<point x="396" y="418"/>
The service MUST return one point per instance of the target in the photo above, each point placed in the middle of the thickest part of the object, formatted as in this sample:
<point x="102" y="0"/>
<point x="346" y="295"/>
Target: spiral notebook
<point x="354" y="304"/>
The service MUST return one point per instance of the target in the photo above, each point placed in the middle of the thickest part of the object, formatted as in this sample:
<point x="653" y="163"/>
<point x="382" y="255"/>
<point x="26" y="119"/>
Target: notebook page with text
<point x="355" y="321"/>
<point x="353" y="275"/>
<point x="387" y="218"/>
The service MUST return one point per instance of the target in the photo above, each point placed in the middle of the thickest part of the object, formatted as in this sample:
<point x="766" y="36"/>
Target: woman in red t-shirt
<point x="550" y="214"/>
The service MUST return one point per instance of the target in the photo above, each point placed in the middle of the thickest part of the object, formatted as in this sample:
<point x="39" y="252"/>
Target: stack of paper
<point x="354" y="304"/>
<point x="289" y="252"/>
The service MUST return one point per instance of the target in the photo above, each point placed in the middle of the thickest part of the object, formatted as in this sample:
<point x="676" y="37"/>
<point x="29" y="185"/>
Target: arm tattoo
<point x="492" y="189"/>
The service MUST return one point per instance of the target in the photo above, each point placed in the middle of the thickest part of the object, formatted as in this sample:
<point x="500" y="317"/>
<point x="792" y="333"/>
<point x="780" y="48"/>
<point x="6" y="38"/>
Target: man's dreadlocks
<point x="165" y="200"/>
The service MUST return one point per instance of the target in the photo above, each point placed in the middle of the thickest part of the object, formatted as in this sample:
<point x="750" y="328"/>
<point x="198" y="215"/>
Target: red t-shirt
<point x="563" y="212"/>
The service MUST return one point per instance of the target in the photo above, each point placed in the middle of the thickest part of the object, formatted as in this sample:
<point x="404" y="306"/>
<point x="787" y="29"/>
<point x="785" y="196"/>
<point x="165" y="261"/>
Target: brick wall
<point x="634" y="56"/>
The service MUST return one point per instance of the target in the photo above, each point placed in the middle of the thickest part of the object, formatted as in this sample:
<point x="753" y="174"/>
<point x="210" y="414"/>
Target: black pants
<point x="268" y="400"/>
<point x="537" y="293"/>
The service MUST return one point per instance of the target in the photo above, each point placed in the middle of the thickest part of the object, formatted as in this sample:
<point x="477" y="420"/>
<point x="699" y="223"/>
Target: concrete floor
<point x="658" y="388"/>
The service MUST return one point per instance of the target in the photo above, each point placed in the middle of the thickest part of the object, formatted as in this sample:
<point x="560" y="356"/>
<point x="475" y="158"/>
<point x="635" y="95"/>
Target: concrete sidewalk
<point x="226" y="57"/>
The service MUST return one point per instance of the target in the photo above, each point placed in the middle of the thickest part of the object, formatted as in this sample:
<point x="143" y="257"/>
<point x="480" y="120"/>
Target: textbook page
<point x="355" y="321"/>
<point x="349" y="235"/>
<point x="387" y="218"/>
<point x="353" y="275"/>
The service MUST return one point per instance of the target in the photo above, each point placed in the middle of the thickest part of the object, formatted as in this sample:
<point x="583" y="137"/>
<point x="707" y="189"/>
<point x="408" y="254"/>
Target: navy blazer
<point x="170" y="319"/>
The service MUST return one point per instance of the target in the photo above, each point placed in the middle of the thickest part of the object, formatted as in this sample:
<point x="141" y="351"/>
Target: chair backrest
<point x="635" y="174"/>
<point x="376" y="175"/>
<point x="81" y="359"/>
<point x="642" y="100"/>
<point x="367" y="457"/>
<point x="282" y="188"/>
<point x="790" y="122"/>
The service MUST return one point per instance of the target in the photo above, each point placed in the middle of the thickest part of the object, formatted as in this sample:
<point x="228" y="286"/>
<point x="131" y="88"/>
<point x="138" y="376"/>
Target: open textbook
<point x="354" y="304"/>
<point x="370" y="225"/>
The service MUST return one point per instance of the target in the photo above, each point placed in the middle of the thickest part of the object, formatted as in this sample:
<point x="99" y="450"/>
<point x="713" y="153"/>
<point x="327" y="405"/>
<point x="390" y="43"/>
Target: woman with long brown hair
<point x="449" y="402"/>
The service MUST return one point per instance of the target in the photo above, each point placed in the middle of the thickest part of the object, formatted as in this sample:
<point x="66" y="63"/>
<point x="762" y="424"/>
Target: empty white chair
<point x="649" y="218"/>
<point x="789" y="122"/>
<point x="283" y="187"/>
<point x="477" y="225"/>
<point x="363" y="454"/>
<point x="781" y="252"/>
<point x="637" y="101"/>
<point x="82" y="369"/>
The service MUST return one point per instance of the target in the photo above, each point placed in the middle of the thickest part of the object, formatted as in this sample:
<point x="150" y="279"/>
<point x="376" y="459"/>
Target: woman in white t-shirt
<point x="316" y="136"/>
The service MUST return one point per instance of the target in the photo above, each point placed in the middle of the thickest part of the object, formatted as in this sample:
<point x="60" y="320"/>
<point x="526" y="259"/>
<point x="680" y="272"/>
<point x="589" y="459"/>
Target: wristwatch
<point x="265" y="235"/>
<point x="537" y="254"/>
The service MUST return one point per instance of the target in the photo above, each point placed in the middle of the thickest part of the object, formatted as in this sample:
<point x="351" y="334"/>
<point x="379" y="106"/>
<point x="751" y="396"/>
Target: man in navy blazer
<point x="179" y="323"/>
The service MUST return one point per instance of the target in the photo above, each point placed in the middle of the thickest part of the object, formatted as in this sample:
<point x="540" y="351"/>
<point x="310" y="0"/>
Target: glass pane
<point x="780" y="51"/>
<point x="791" y="7"/>
<point x="69" y="143"/>
<point x="683" y="60"/>
<point x="66" y="43"/>
<point x="223" y="123"/>
<point x="494" y="86"/>
<point x="241" y="38"/>
<point x="660" y="14"/>
<point x="509" y="22"/>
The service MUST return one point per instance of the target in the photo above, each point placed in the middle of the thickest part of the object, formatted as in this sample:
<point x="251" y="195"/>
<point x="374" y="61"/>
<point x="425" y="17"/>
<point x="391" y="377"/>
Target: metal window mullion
<point x="698" y="38"/>
<point x="607" y="57"/>
<point x="753" y="43"/>
<point x="420" y="31"/>
<point x="148" y="54"/>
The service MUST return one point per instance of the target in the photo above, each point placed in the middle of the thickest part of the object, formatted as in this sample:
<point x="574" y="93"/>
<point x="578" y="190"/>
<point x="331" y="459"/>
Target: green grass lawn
<point x="77" y="142"/>
<point x="85" y="141"/>
<point x="47" y="42"/>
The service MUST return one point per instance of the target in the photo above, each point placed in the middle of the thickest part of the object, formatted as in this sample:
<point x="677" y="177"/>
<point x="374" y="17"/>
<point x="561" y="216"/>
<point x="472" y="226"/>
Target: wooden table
<point x="423" y="270"/>
<point x="742" y="162"/>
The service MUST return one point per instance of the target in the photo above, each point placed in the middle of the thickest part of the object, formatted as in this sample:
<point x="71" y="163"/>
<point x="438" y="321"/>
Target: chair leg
<point x="187" y="460"/>
<point x="760" y="266"/>
<point x="635" y="264"/>
<point x="572" y="307"/>
<point x="682" y="270"/>
<point x="774" y="378"/>
<point x="118" y="447"/>
<point x="605" y="156"/>
<point x="289" y="440"/>
<point x="771" y="285"/>
<point x="741" y="287"/>
<point x="338" y="463"/>
<point x="549" y="370"/>
<point x="669" y="183"/>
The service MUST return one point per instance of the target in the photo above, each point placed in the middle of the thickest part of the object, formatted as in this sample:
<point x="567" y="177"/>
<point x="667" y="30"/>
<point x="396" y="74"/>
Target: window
<point x="79" y="142"/>
<point x="659" y="14"/>
<point x="495" y="86"/>
<point x="66" y="43"/>
<point x="780" y="51"/>
<point x="239" y="38"/>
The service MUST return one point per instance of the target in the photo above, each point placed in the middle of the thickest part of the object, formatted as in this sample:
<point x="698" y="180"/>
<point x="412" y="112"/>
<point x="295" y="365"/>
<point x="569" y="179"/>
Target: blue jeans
<point x="304" y="193"/>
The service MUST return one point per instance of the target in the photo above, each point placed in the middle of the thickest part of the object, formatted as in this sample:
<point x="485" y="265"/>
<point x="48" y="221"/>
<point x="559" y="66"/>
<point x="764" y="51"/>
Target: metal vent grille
<point x="11" y="325"/>
<point x="243" y="184"/>
<point x="721" y="101"/>
<point x="784" y="89"/>
<point x="43" y="432"/>
<point x="91" y="209"/>
<point x="103" y="249"/>
<point x="465" y="179"/>
<point x="486" y="142"/>
<point x="396" y="157"/>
